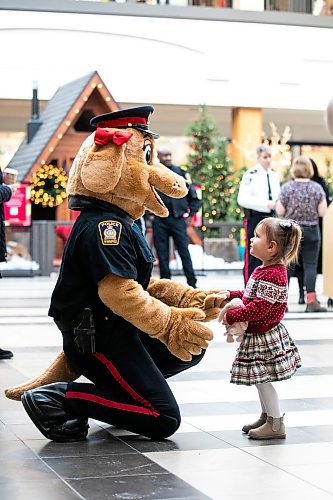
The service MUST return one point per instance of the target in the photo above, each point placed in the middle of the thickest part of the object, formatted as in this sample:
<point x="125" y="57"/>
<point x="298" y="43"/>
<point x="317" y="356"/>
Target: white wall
<point x="173" y="61"/>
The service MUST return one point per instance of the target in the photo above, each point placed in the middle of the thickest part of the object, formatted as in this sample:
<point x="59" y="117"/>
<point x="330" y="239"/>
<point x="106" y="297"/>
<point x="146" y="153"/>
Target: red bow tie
<point x="103" y="137"/>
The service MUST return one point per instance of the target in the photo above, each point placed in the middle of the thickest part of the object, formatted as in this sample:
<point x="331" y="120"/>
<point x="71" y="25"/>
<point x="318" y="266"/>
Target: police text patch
<point x="109" y="231"/>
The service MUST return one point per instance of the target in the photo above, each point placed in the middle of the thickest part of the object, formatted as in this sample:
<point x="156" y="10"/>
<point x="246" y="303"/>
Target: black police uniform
<point x="175" y="226"/>
<point x="129" y="368"/>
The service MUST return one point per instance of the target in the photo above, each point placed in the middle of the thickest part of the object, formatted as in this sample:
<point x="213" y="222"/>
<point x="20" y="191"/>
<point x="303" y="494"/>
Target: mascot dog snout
<point x="124" y="173"/>
<point x="166" y="181"/>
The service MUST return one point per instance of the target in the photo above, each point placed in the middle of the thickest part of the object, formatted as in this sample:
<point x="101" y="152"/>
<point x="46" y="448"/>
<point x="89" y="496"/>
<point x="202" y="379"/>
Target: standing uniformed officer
<point x="181" y="212"/>
<point x="258" y="192"/>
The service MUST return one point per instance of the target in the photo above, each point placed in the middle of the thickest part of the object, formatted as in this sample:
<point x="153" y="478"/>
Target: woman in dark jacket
<point x="5" y="195"/>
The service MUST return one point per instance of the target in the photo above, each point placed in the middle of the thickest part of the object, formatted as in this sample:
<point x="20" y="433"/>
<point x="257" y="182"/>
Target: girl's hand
<point x="224" y="320"/>
<point x="222" y="315"/>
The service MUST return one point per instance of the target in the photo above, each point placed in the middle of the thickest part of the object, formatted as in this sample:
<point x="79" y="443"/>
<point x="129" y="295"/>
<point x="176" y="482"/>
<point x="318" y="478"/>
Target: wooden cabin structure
<point x="54" y="137"/>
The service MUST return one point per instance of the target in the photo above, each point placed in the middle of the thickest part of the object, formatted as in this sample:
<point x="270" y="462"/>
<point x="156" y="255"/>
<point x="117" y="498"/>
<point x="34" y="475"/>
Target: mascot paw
<point x="213" y="303"/>
<point x="185" y="337"/>
<point x="58" y="371"/>
<point x="209" y="301"/>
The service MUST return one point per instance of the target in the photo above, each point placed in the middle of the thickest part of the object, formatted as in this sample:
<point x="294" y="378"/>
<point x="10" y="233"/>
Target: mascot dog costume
<point x="122" y="330"/>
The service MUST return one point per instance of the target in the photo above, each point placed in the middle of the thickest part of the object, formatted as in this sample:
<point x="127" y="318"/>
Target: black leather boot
<point x="45" y="407"/>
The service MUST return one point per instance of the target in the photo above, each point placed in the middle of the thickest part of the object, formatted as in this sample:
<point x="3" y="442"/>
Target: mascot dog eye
<point x="147" y="150"/>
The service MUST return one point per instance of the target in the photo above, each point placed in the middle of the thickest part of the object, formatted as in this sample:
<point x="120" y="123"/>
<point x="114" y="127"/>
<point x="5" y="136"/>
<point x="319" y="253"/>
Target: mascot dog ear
<point x="102" y="167"/>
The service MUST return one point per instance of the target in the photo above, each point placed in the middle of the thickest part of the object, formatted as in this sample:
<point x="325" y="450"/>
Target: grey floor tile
<point x="53" y="489"/>
<point x="157" y="487"/>
<point x="29" y="431"/>
<point x="17" y="416"/>
<point x="320" y="433"/>
<point x="179" y="441"/>
<point x="90" y="447"/>
<point x="25" y="470"/>
<point x="26" y="431"/>
<point x="15" y="450"/>
<point x="6" y="433"/>
<point x="106" y="465"/>
<point x="295" y="435"/>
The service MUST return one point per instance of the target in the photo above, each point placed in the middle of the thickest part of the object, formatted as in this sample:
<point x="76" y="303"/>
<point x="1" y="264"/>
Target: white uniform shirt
<point x="253" y="189"/>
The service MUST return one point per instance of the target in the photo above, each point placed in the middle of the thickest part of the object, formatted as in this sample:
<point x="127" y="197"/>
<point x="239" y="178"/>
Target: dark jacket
<point x="179" y="206"/>
<point x="5" y="195"/>
<point x="323" y="184"/>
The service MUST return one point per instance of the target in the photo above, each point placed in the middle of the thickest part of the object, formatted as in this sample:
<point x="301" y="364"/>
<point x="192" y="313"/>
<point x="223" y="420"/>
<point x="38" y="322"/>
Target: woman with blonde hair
<point x="304" y="201"/>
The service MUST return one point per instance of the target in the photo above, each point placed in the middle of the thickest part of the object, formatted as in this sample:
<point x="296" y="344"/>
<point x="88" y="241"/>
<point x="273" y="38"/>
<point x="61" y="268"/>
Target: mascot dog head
<point x="116" y="164"/>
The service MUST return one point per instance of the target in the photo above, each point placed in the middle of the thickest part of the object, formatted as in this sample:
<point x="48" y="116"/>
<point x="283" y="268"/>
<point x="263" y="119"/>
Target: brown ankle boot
<point x="273" y="429"/>
<point x="261" y="420"/>
<point x="315" y="307"/>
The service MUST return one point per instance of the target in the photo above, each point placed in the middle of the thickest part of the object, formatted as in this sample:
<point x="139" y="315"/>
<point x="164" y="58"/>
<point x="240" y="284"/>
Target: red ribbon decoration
<point x="103" y="137"/>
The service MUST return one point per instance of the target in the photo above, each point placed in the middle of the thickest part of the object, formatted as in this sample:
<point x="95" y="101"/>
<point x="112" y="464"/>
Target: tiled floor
<point x="208" y="457"/>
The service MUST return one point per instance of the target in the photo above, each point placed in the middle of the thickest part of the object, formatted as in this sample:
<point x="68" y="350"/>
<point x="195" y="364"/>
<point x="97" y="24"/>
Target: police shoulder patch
<point x="109" y="232"/>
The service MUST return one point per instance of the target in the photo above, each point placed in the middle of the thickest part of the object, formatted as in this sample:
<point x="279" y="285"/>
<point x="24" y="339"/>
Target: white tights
<point x="269" y="400"/>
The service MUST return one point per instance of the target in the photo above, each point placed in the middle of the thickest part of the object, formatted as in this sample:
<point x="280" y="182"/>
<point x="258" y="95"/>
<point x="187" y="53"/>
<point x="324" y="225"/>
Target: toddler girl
<point x="267" y="353"/>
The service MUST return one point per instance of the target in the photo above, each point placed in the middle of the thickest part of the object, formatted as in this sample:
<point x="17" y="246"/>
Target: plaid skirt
<point x="265" y="357"/>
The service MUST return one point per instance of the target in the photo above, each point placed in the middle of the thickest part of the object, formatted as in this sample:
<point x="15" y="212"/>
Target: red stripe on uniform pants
<point x="116" y="375"/>
<point x="111" y="404"/>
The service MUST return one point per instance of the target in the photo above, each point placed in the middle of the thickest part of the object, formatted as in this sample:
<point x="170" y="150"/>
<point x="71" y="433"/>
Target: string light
<point x="48" y="186"/>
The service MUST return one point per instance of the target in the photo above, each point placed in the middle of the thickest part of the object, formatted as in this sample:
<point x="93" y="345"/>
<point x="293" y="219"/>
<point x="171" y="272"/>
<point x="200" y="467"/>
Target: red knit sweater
<point x="265" y="299"/>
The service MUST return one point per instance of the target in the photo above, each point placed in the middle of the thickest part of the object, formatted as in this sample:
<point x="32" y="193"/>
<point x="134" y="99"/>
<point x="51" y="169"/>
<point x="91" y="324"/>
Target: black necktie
<point x="269" y="188"/>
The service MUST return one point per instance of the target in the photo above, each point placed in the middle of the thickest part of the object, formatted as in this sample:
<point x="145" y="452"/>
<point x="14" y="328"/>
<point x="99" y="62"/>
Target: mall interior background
<point x="269" y="60"/>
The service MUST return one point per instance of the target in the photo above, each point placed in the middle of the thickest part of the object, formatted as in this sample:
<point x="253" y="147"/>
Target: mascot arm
<point x="176" y="294"/>
<point x="177" y="328"/>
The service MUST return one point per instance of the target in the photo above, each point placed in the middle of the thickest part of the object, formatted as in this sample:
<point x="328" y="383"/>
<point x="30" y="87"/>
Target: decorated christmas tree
<point x="210" y="166"/>
<point x="202" y="132"/>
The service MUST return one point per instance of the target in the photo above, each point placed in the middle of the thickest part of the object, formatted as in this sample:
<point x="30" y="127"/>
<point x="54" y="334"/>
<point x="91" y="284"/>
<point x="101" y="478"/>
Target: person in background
<point x="5" y="195"/>
<point x="304" y="200"/>
<point x="267" y="353"/>
<point x="297" y="270"/>
<point x="258" y="191"/>
<point x="181" y="212"/>
<point x="318" y="178"/>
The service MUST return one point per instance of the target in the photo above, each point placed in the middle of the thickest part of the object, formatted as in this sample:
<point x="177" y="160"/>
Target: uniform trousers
<point x="128" y="389"/>
<point x="163" y="228"/>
